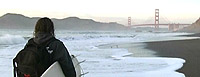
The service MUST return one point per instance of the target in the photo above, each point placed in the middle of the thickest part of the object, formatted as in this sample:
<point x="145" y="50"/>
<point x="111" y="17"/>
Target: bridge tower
<point x="129" y="21"/>
<point x="156" y="18"/>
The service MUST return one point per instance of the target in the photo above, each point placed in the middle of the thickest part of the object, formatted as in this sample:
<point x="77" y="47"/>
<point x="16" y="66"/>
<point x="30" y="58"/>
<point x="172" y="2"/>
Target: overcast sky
<point x="174" y="10"/>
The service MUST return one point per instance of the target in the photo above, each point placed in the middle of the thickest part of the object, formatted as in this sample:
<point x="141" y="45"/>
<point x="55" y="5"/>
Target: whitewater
<point x="100" y="62"/>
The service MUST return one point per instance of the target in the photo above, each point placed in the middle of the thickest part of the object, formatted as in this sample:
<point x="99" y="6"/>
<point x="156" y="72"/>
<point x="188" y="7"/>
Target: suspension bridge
<point x="157" y="24"/>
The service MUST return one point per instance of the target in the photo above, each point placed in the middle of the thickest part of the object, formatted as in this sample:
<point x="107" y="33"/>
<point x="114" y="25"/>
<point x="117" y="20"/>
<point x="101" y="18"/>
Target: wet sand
<point x="186" y="49"/>
<point x="136" y="48"/>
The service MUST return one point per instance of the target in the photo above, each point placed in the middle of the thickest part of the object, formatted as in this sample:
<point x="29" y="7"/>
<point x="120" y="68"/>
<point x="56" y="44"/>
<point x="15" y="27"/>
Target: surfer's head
<point x="44" y="25"/>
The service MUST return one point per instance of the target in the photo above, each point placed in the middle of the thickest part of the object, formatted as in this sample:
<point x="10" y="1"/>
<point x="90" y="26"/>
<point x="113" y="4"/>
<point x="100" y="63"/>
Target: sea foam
<point x="8" y="39"/>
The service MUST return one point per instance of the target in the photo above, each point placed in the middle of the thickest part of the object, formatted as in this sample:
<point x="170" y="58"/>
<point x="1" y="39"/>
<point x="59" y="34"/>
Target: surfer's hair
<point x="44" y="25"/>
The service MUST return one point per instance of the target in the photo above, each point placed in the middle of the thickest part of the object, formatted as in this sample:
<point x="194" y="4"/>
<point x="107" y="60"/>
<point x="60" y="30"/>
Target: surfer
<point x="43" y="33"/>
<point x="44" y="30"/>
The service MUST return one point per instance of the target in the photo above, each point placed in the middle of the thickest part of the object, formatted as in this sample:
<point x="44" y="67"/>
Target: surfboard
<point x="76" y="65"/>
<point x="55" y="69"/>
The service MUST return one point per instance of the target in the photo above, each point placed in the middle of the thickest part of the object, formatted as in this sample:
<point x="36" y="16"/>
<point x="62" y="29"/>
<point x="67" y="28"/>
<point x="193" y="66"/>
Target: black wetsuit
<point x="59" y="53"/>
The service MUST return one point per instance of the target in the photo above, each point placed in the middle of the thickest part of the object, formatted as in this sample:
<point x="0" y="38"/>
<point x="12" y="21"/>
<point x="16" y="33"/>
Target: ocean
<point x="100" y="62"/>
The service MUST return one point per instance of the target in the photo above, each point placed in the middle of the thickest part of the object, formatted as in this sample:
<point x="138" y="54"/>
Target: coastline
<point x="186" y="49"/>
<point x="138" y="49"/>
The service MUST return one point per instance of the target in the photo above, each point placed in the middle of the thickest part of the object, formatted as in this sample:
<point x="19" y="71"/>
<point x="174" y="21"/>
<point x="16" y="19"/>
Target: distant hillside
<point x="194" y="28"/>
<point x="18" y="21"/>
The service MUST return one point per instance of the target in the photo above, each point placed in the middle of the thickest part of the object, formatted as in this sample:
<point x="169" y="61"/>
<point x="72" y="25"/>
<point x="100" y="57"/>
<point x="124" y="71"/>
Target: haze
<point x="178" y="11"/>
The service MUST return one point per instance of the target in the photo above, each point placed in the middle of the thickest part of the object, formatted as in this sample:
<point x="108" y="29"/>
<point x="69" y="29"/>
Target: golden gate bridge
<point x="171" y="26"/>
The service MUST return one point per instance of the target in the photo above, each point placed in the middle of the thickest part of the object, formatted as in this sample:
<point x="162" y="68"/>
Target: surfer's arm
<point x="61" y="54"/>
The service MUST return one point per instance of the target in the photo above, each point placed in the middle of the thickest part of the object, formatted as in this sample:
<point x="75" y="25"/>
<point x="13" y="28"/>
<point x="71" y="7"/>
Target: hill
<point x="18" y="21"/>
<point x="194" y="28"/>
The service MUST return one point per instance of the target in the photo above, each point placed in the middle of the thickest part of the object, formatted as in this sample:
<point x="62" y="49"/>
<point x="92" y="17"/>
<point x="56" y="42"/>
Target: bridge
<point x="171" y="26"/>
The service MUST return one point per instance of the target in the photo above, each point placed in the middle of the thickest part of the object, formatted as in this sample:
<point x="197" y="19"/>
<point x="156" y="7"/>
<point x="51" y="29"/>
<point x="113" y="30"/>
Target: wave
<point x="8" y="39"/>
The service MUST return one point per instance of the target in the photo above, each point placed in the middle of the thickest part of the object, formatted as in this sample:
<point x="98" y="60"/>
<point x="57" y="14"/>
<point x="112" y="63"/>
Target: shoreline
<point x="138" y="49"/>
<point x="187" y="49"/>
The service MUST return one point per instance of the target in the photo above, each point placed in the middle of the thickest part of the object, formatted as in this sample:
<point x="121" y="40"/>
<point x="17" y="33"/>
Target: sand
<point x="137" y="49"/>
<point x="186" y="49"/>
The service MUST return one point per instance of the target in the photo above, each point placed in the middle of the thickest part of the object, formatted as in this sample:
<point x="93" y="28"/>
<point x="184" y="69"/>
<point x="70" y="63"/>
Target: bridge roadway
<point x="158" y="24"/>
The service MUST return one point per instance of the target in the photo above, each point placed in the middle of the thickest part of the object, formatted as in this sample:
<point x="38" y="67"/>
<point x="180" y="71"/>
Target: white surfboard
<point x="76" y="65"/>
<point x="55" y="70"/>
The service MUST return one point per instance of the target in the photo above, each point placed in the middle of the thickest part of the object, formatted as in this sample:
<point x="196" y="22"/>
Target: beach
<point x="107" y="54"/>
<point x="186" y="49"/>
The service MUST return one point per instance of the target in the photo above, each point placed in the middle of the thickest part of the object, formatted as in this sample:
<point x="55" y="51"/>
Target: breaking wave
<point x="8" y="39"/>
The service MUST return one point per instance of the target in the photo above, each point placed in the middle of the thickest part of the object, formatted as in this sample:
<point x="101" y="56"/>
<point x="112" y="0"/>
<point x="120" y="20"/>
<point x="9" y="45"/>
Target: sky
<point x="177" y="11"/>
